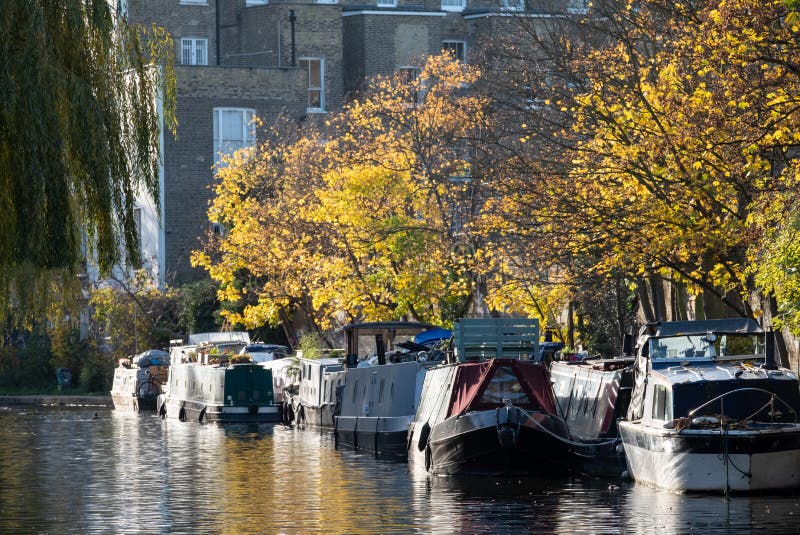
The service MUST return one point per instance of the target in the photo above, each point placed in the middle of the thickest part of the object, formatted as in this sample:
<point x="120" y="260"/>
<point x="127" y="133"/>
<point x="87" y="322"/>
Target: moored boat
<point x="387" y="362"/>
<point x="137" y="381"/>
<point x="711" y="410"/>
<point x="209" y="382"/>
<point x="592" y="395"/>
<point x="315" y="402"/>
<point x="493" y="412"/>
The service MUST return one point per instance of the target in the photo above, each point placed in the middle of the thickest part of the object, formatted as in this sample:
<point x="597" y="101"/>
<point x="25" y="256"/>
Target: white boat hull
<point x="709" y="460"/>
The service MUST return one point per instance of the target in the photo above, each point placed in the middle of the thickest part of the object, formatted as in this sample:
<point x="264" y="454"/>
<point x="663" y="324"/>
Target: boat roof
<point x="219" y="338"/>
<point x="680" y="328"/>
<point x="681" y="373"/>
<point x="412" y="326"/>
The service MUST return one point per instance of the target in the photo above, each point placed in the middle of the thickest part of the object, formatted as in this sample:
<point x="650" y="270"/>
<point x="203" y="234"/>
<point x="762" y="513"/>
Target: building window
<point x="513" y="5"/>
<point x="315" y="68"/>
<point x="255" y="2"/>
<point x="457" y="49"/>
<point x="453" y="5"/>
<point x="137" y="220"/>
<point x="577" y="7"/>
<point x="409" y="73"/>
<point x="194" y="2"/>
<point x="233" y="130"/>
<point x="194" y="51"/>
<point x="387" y="3"/>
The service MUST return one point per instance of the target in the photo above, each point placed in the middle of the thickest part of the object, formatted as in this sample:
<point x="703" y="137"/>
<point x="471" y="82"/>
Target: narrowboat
<point x="315" y="402"/>
<point x="591" y="396"/>
<point x="138" y="380"/>
<point x="711" y="410"/>
<point x="386" y="366"/>
<point x="492" y="411"/>
<point x="209" y="382"/>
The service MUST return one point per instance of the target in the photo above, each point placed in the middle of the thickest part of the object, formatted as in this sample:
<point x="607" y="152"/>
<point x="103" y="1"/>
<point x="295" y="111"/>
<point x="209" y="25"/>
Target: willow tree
<point x="79" y="139"/>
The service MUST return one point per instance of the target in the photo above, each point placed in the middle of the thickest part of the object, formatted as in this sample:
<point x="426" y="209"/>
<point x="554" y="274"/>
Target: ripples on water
<point x="61" y="471"/>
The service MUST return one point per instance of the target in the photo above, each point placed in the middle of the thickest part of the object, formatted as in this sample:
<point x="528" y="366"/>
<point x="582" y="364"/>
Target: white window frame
<point x="248" y="138"/>
<point x="450" y="5"/>
<point x="386" y="3"/>
<point x="456" y="42"/>
<point x="193" y="43"/>
<point x="578" y="7"/>
<point x="512" y="5"/>
<point x="310" y="88"/>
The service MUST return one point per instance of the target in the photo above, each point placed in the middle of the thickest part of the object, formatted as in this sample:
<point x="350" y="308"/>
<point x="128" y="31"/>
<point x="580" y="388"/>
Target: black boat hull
<point x="506" y="441"/>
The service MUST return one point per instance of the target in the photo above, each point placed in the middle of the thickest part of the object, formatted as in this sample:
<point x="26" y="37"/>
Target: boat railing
<point x="770" y="403"/>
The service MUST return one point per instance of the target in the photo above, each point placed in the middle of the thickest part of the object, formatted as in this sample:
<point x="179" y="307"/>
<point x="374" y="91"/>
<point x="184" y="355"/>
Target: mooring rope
<point x="565" y="440"/>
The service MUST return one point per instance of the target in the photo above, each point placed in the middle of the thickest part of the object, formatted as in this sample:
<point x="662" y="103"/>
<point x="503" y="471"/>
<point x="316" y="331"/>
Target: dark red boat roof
<point x="472" y="379"/>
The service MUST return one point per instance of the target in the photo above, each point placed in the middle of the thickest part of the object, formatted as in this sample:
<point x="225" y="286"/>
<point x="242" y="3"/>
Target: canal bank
<point x="56" y="401"/>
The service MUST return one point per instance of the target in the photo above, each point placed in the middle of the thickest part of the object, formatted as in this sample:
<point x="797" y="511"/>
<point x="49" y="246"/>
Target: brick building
<point x="240" y="58"/>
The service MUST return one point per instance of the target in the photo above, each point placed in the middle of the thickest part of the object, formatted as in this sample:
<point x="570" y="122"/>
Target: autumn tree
<point x="676" y="127"/>
<point x="78" y="141"/>
<point x="359" y="219"/>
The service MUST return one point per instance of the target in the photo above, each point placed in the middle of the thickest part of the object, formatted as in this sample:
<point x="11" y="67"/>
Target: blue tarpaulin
<point x="431" y="336"/>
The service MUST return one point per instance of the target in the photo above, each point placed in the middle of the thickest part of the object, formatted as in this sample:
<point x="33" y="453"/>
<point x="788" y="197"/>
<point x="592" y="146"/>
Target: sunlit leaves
<point x="356" y="219"/>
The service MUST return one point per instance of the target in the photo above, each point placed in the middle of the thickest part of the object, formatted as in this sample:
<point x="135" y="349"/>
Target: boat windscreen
<point x="749" y="404"/>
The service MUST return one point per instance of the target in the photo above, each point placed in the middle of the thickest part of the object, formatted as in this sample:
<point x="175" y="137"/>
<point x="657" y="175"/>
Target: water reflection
<point x="63" y="471"/>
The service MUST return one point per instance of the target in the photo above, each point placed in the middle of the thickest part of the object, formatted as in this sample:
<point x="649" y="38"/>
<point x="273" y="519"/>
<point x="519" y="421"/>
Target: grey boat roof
<point x="720" y="371"/>
<point x="680" y="328"/>
<point x="397" y="325"/>
<point x="219" y="338"/>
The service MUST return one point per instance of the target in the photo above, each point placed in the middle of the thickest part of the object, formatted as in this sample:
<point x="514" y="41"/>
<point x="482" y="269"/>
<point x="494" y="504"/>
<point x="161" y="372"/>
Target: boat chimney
<point x="380" y="349"/>
<point x="769" y="345"/>
<point x="627" y="344"/>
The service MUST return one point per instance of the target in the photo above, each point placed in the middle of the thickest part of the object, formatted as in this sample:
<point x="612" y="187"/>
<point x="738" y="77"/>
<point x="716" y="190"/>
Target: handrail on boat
<point x="773" y="396"/>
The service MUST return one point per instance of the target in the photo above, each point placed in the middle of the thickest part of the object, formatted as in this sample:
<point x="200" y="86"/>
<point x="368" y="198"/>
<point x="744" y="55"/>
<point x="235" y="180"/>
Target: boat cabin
<point x="389" y="341"/>
<point x="689" y="369"/>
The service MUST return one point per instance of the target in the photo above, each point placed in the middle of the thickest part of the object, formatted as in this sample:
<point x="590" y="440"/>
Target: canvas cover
<point x="472" y="380"/>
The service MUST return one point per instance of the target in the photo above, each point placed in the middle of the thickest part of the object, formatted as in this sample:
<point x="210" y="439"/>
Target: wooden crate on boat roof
<point x="485" y="338"/>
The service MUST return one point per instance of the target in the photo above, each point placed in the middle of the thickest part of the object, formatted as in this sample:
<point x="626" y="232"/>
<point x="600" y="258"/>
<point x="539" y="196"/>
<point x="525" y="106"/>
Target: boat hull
<point x="709" y="460"/>
<point x="134" y="403"/>
<point x="384" y="436"/>
<point x="497" y="442"/>
<point x="314" y="416"/>
<point x="198" y="411"/>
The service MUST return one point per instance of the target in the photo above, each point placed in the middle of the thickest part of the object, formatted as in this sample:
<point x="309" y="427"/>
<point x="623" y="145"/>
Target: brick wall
<point x="180" y="20"/>
<point x="189" y="157"/>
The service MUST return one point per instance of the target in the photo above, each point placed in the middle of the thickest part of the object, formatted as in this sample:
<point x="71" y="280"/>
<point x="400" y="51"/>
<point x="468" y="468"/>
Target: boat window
<point x="355" y="389"/>
<point x="505" y="386"/>
<point x="256" y="395"/>
<point x="380" y="391"/>
<point x="659" y="402"/>
<point x="242" y="395"/>
<point x="699" y="346"/>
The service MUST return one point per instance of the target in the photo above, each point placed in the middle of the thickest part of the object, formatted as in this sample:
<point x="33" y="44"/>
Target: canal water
<point x="84" y="470"/>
